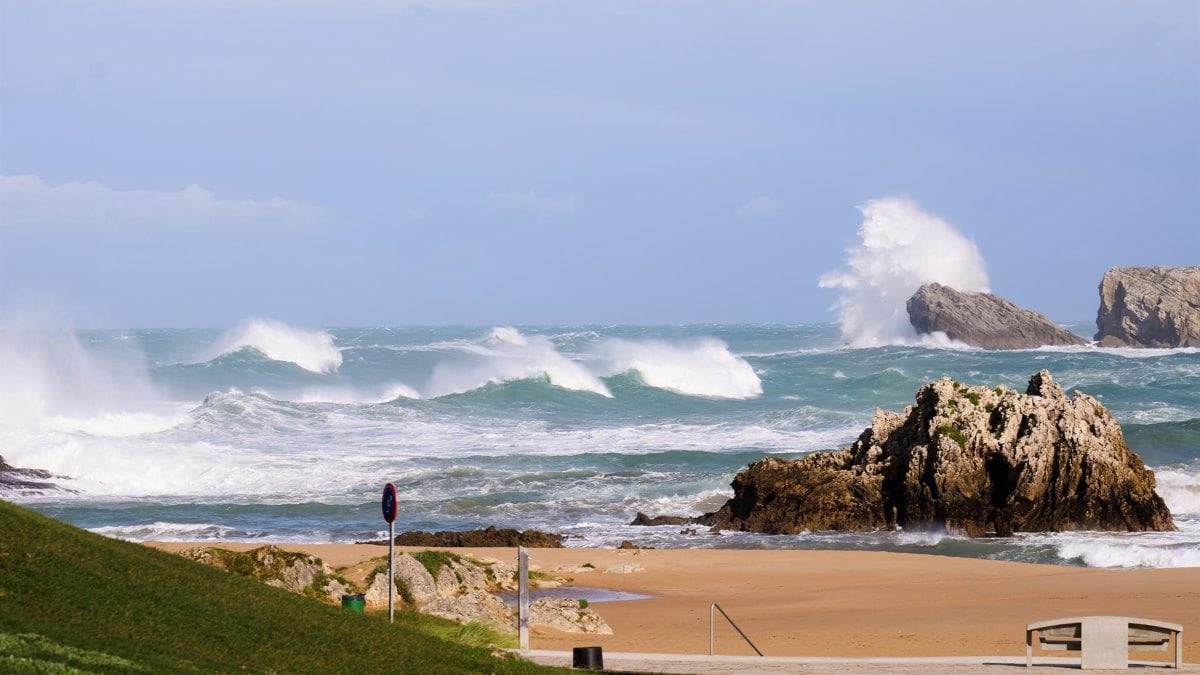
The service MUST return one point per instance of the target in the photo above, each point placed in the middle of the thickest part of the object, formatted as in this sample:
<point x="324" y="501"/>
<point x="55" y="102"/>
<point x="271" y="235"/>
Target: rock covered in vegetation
<point x="568" y="615"/>
<point x="983" y="320"/>
<point x="1149" y="307"/>
<point x="295" y="572"/>
<point x="487" y="537"/>
<point x="969" y="459"/>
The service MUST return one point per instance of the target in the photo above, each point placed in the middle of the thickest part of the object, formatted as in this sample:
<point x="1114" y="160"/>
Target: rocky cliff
<point x="969" y="459"/>
<point x="983" y="320"/>
<point x="1149" y="307"/>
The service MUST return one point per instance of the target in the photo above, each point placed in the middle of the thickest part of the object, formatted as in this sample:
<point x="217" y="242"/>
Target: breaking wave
<point x="901" y="248"/>
<point x="312" y="350"/>
<point x="507" y="355"/>
<point x="701" y="367"/>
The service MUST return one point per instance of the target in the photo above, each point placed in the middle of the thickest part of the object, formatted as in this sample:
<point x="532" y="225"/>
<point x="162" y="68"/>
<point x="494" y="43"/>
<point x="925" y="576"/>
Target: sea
<point x="267" y="432"/>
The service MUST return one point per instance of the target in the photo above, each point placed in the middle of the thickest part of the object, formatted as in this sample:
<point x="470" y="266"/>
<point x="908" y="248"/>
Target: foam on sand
<point x="901" y="248"/>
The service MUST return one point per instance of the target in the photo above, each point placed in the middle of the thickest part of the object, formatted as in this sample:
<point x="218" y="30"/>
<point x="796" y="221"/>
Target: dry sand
<point x="831" y="603"/>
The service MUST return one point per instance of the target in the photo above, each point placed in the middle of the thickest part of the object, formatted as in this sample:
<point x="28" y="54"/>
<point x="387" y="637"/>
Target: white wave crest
<point x="160" y="531"/>
<point x="700" y="367"/>
<point x="310" y="349"/>
<point x="901" y="247"/>
<point x="507" y="355"/>
<point x="1179" y="489"/>
<point x="1122" y="554"/>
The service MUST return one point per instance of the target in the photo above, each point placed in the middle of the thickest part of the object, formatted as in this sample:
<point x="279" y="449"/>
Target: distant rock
<point x="983" y="320"/>
<point x="967" y="459"/>
<point x="12" y="478"/>
<point x="652" y="521"/>
<point x="1149" y="307"/>
<point x="488" y="537"/>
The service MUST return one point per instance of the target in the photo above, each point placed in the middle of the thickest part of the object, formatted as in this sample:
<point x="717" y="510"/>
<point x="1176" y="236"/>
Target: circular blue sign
<point x="389" y="502"/>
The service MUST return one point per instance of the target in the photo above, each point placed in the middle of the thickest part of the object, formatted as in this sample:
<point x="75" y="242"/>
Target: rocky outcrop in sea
<point x="13" y="478"/>
<point x="970" y="459"/>
<point x="484" y="538"/>
<point x="1149" y="307"/>
<point x="983" y="320"/>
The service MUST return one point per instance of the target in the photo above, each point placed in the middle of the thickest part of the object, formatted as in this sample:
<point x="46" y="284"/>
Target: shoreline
<point x="823" y="603"/>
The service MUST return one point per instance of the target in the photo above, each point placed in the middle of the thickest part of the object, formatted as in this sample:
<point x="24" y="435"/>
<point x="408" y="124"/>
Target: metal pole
<point x="523" y="597"/>
<point x="391" y="572"/>
<point x="711" y="615"/>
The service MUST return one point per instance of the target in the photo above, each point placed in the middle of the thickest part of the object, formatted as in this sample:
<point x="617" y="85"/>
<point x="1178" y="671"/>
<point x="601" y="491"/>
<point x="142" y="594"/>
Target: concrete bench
<point x="1104" y="641"/>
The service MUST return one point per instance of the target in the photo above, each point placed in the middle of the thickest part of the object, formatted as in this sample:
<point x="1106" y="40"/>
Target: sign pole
<point x="390" y="507"/>
<point x="391" y="572"/>
<point x="522" y="598"/>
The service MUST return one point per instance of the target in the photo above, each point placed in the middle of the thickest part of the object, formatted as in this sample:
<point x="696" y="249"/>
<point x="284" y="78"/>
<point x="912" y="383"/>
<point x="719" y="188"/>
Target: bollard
<point x="355" y="602"/>
<point x="587" y="658"/>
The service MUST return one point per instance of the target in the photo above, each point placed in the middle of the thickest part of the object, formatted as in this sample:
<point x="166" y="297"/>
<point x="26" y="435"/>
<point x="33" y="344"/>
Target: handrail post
<point x="712" y="619"/>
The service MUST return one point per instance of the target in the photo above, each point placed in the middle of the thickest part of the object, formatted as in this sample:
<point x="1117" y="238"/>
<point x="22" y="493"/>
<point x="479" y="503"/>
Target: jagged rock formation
<point x="487" y="537"/>
<point x="1149" y="307"/>
<point x="969" y="459"/>
<point x="983" y="320"/>
<point x="568" y="615"/>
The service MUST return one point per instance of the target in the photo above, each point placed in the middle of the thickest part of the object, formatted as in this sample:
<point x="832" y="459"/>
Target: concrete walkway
<point x="955" y="665"/>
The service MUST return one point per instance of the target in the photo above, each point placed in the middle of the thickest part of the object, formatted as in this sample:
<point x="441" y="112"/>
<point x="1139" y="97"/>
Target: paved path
<point x="954" y="665"/>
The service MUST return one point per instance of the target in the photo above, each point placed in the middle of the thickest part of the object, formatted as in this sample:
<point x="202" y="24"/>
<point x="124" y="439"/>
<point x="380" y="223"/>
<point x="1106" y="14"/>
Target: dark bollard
<point x="587" y="658"/>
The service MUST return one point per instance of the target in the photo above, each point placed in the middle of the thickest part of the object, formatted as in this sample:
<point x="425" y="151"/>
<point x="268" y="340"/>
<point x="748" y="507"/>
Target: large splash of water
<point x="310" y="349"/>
<point x="901" y="247"/>
<point x="48" y="374"/>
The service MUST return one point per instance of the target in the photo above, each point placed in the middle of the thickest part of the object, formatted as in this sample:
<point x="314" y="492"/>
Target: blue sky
<point x="189" y="163"/>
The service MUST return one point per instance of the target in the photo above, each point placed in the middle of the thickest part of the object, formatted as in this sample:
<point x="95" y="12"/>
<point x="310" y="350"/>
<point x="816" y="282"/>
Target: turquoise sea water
<point x="267" y="432"/>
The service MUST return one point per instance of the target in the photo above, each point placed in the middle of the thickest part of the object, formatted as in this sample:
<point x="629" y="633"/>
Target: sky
<point x="189" y="163"/>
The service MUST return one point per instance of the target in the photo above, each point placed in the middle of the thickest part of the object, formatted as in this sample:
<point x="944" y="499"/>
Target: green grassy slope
<point x="73" y="599"/>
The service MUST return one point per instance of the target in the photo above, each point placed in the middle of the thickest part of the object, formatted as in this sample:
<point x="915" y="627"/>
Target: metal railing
<point x="711" y="631"/>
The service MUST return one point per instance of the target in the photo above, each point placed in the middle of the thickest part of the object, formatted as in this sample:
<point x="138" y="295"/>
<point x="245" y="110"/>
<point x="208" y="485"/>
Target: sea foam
<point x="901" y="248"/>
<point x="312" y="350"/>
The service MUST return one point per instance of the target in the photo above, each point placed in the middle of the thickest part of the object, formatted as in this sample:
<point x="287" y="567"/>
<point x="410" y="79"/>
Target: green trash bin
<point x="354" y="602"/>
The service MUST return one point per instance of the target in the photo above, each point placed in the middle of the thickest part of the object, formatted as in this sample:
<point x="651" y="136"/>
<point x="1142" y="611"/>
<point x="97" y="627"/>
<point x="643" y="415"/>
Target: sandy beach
<point x="828" y="603"/>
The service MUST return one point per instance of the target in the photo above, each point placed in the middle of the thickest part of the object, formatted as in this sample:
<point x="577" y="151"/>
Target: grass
<point x="955" y="434"/>
<point x="436" y="560"/>
<point x="73" y="601"/>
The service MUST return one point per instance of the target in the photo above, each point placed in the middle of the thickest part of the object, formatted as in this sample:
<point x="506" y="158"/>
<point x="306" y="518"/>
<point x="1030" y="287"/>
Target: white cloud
<point x="28" y="202"/>
<point x="530" y="200"/>
<point x="761" y="206"/>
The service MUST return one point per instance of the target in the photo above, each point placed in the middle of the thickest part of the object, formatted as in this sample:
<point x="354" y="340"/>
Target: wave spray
<point x="901" y="247"/>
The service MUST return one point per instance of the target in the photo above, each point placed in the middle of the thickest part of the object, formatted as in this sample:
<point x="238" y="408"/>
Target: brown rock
<point x="969" y="459"/>
<point x="983" y="320"/>
<point x="488" y="537"/>
<point x="1149" y="307"/>
<point x="651" y="521"/>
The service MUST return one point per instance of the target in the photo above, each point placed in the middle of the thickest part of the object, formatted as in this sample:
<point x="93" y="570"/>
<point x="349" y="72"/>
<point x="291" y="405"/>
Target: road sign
<point x="389" y="502"/>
